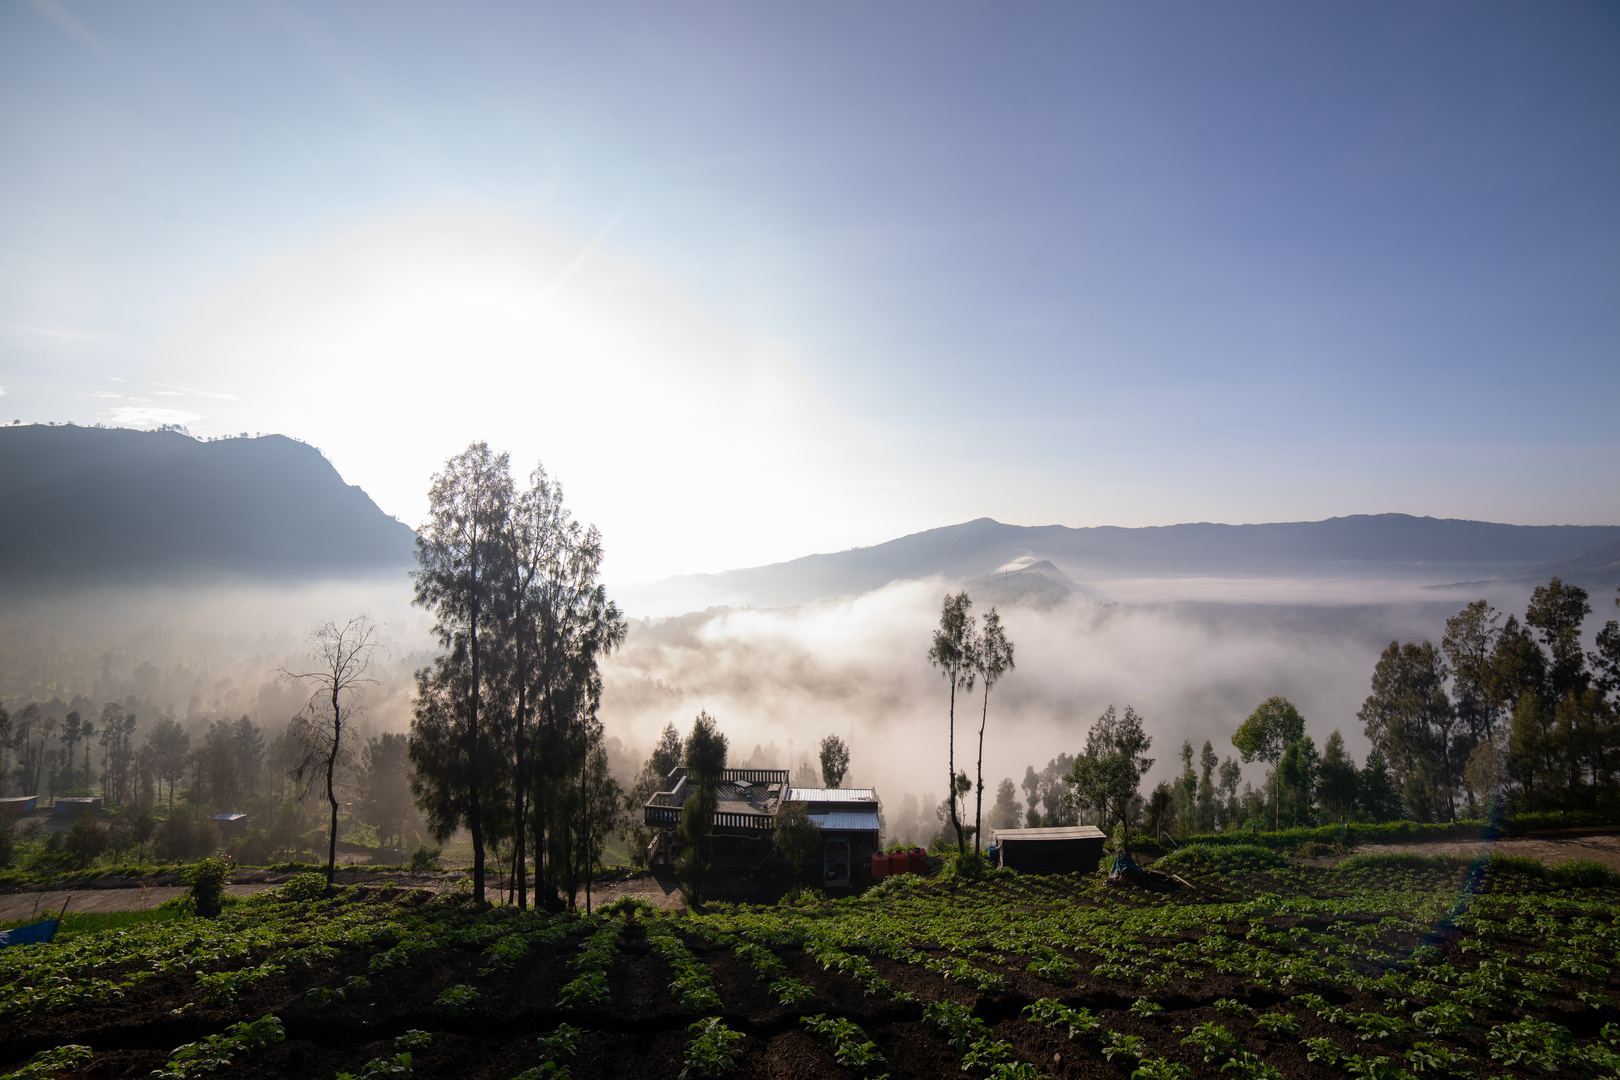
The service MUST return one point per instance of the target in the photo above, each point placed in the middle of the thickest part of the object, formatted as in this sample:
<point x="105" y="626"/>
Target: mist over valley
<point x="140" y="567"/>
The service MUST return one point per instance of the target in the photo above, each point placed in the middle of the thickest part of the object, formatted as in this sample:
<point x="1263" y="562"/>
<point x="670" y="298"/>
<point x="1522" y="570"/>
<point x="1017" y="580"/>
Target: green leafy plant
<point x="713" y="1052"/>
<point x="47" y="1064"/>
<point x="1534" y="1043"/>
<point x="305" y="887"/>
<point x="1055" y="1014"/>
<point x="1433" y="1057"/>
<point x="1119" y="1044"/>
<point x="458" y="999"/>
<point x="1232" y="1005"/>
<point x="561" y="1043"/>
<point x="1444" y="1018"/>
<point x="1144" y="1007"/>
<point x="1247" y="1066"/>
<point x="414" y="1039"/>
<point x="207" y="880"/>
<point x="1320" y="1048"/>
<point x="1213" y="1041"/>
<point x="961" y="1027"/>
<point x="221" y="986"/>
<point x="850" y="1046"/>
<point x="382" y="1069"/>
<point x="791" y="993"/>
<point x="217" y="1052"/>
<point x="1278" y="1024"/>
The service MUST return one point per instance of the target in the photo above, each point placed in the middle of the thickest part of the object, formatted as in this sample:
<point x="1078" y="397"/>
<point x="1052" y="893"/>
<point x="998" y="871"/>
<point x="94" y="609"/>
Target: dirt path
<point x="657" y="887"/>
<point x="1550" y="848"/>
<point x="112" y="894"/>
<point x="23" y="905"/>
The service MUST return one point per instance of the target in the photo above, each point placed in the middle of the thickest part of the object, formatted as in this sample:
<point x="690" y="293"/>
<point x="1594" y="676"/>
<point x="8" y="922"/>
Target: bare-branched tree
<point x="339" y="668"/>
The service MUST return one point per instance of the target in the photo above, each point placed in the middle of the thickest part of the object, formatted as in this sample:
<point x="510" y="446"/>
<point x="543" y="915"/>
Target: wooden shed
<point x="1062" y="850"/>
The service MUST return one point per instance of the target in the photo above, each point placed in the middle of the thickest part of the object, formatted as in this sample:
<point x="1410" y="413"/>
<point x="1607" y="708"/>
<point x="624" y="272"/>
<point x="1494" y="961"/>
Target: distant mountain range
<point x="1048" y="560"/>
<point x="92" y="506"/>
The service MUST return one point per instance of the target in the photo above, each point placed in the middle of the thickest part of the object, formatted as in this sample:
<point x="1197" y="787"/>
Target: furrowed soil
<point x="1380" y="969"/>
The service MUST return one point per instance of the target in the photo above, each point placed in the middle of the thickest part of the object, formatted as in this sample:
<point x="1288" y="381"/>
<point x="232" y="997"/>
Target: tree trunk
<point x="950" y="788"/>
<point x="978" y="795"/>
<point x="331" y="796"/>
<point x="474" y="810"/>
<point x="520" y="775"/>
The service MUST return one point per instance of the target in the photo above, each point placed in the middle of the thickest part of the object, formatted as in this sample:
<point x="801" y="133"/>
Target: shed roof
<point x="844" y="821"/>
<point x="833" y="794"/>
<point x="1061" y="832"/>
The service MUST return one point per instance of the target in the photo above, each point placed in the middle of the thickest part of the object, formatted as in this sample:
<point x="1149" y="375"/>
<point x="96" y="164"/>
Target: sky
<point x="760" y="280"/>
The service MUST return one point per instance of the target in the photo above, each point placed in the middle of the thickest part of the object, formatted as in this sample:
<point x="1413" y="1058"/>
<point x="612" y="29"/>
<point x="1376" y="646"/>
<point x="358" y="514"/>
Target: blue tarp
<point x="39" y="933"/>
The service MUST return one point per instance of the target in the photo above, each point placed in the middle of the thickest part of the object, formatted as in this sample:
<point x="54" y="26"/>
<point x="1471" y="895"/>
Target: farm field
<point x="1380" y="967"/>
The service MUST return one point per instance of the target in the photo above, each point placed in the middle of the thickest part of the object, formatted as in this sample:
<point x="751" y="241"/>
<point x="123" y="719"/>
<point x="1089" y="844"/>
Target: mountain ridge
<point x="1402" y="546"/>
<point x="84" y="506"/>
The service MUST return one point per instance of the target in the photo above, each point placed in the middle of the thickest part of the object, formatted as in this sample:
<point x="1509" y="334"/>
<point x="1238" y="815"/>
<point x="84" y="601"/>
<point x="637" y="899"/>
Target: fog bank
<point x="858" y="668"/>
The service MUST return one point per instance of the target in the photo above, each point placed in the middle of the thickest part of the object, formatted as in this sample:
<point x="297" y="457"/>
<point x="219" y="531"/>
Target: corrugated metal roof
<point x="823" y="794"/>
<point x="844" y="821"/>
<point x="1061" y="832"/>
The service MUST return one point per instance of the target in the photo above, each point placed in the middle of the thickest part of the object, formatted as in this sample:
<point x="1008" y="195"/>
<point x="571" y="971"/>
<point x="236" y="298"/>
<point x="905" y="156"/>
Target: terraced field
<point x="1247" y="968"/>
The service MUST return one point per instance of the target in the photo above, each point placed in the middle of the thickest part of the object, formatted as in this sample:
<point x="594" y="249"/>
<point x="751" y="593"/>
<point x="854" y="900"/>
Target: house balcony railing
<point x="660" y="817"/>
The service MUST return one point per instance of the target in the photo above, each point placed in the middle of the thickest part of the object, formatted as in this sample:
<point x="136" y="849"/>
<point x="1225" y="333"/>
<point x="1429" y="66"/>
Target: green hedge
<point x="1395" y="832"/>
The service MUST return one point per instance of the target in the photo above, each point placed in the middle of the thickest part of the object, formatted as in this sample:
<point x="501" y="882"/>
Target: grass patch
<point x="90" y="922"/>
<point x="1403" y="860"/>
<point x="1583" y="873"/>
<point x="1222" y="857"/>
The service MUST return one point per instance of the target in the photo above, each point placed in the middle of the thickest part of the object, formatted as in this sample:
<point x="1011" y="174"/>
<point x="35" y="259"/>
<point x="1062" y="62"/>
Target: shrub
<point x="207" y="880"/>
<point x="8" y="841"/>
<point x="627" y="906"/>
<point x="85" y="841"/>
<point x="253" y="849"/>
<point x="184" y="835"/>
<point x="425" y="858"/>
<point x="969" y="866"/>
<point x="1222" y="857"/>
<point x="305" y="887"/>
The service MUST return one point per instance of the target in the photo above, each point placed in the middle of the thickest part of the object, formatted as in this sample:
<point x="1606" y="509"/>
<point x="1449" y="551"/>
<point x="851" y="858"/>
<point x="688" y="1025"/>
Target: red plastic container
<point x="918" y="861"/>
<point x="880" y="866"/>
<point x="899" y="862"/>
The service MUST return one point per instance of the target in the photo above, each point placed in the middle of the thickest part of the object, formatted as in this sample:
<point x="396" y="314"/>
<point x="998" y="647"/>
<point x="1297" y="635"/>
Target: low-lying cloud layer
<point x="854" y="667"/>
<point x="858" y="668"/>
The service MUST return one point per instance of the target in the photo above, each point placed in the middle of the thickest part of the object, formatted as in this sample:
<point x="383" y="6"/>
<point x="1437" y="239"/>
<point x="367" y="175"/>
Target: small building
<point x="18" y="805"/>
<point x="851" y="830"/>
<point x="74" y="806"/>
<point x="1065" y="849"/>
<point x="748" y="801"/>
<point x="230" y="825"/>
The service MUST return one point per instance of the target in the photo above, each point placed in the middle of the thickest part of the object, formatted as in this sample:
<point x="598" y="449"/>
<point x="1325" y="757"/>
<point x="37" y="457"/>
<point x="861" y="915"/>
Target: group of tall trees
<point x="965" y="654"/>
<point x="1504" y="712"/>
<point x="505" y="738"/>
<point x="1509" y="709"/>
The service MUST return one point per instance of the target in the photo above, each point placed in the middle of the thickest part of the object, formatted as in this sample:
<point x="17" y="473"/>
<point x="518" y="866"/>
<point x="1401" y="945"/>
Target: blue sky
<point x="756" y="280"/>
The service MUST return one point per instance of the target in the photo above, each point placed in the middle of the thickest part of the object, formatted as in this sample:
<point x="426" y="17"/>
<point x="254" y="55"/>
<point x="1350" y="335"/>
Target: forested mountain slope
<point x="92" y="506"/>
